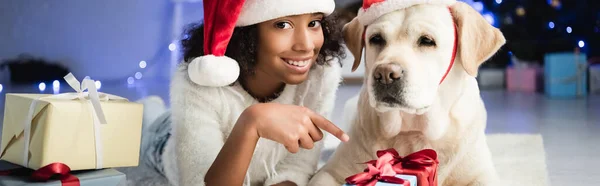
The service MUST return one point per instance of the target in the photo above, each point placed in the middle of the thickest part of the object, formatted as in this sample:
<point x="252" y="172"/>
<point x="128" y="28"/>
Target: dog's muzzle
<point x="388" y="80"/>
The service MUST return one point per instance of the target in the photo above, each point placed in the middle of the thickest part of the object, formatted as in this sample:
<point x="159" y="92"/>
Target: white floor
<point x="570" y="127"/>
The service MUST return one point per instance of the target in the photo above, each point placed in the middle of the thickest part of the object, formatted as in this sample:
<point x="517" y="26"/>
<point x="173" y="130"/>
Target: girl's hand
<point x="293" y="126"/>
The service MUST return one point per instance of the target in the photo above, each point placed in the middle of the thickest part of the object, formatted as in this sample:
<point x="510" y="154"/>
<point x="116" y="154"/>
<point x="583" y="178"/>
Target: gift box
<point x="523" y="79"/>
<point x="491" y="78"/>
<point x="12" y="175"/>
<point x="523" y="76"/>
<point x="83" y="130"/>
<point x="565" y="74"/>
<point x="416" y="169"/>
<point x="412" y="181"/>
<point x="595" y="79"/>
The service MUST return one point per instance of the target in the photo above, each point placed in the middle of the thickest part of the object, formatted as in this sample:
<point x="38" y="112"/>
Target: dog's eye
<point x="377" y="40"/>
<point x="426" y="41"/>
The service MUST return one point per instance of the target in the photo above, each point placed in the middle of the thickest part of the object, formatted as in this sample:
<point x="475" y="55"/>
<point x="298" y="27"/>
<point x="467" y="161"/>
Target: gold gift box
<point x="64" y="131"/>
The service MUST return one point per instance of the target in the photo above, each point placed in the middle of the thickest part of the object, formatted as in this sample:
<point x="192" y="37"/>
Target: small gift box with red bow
<point x="58" y="175"/>
<point x="416" y="169"/>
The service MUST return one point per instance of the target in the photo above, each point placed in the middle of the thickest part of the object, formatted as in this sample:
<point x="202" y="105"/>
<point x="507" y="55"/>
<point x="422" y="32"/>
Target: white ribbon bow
<point x="92" y="96"/>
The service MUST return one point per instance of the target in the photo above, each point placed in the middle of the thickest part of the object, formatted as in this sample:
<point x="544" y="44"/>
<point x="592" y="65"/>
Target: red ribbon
<point x="424" y="163"/>
<point x="453" y="51"/>
<point x="46" y="173"/>
<point x="378" y="170"/>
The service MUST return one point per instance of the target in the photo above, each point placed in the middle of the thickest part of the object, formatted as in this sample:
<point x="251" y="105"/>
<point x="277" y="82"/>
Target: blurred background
<point x="126" y="41"/>
<point x="544" y="81"/>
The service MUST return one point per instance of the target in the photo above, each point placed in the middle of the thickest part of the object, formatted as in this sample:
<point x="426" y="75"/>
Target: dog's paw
<point x="323" y="178"/>
<point x="483" y="183"/>
<point x="486" y="180"/>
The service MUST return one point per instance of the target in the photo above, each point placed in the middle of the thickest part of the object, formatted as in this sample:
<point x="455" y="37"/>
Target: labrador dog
<point x="420" y="92"/>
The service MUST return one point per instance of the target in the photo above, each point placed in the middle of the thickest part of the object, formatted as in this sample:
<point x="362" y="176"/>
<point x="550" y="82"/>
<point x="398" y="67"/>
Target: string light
<point x="138" y="75"/>
<point x="143" y="64"/>
<point x="489" y="17"/>
<point x="55" y="84"/>
<point x="98" y="85"/>
<point x="555" y="3"/>
<point x="478" y="6"/>
<point x="172" y="47"/>
<point x="55" y="87"/>
<point x="569" y="29"/>
<point x="42" y="86"/>
<point x="130" y="80"/>
<point x="520" y="11"/>
<point x="581" y="44"/>
<point x="1" y="88"/>
<point x="498" y="1"/>
<point x="551" y="24"/>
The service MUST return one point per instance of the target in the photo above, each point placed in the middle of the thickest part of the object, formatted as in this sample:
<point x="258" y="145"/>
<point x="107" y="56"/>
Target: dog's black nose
<point x="388" y="73"/>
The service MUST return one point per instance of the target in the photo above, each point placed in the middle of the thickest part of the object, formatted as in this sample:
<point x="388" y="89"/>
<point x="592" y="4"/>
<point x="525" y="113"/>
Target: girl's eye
<point x="314" y="24"/>
<point x="283" y="25"/>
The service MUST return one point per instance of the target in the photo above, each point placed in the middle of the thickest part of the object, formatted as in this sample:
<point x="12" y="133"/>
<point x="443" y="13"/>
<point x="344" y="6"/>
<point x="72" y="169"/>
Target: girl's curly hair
<point x="244" y="41"/>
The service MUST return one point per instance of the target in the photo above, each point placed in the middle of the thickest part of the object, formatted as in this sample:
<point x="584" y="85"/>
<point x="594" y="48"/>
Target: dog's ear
<point x="477" y="39"/>
<point x="353" y="36"/>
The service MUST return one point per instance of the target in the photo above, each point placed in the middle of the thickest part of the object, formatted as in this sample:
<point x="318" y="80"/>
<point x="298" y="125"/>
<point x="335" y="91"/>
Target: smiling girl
<point x="252" y="96"/>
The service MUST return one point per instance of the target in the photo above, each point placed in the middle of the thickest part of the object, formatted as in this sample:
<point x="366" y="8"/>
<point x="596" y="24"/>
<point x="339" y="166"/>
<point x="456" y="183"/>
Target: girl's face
<point x="289" y="46"/>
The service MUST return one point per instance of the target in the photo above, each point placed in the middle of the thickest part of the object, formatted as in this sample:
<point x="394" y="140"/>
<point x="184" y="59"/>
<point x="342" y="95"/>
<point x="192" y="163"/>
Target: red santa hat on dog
<point x="222" y="16"/>
<point x="373" y="9"/>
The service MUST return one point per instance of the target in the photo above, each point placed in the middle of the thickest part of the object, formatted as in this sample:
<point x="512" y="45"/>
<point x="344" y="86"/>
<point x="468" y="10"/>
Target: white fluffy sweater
<point x="203" y="118"/>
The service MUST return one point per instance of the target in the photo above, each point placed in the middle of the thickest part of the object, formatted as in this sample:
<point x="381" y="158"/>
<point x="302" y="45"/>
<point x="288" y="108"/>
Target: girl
<point x="250" y="98"/>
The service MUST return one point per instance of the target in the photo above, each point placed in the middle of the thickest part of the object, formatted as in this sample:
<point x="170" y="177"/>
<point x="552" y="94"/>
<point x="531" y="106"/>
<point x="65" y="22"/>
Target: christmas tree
<point x="534" y="28"/>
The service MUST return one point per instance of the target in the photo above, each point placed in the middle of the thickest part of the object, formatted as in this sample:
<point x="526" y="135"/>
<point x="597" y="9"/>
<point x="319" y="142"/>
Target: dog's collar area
<point x="454" y="48"/>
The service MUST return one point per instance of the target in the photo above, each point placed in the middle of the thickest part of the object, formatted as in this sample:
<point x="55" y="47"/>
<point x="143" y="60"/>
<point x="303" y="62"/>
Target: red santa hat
<point x="373" y="9"/>
<point x="222" y="16"/>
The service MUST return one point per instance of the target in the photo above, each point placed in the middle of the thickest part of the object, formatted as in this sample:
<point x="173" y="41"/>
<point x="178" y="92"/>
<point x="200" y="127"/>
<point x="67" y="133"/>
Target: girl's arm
<point x="198" y="132"/>
<point x="203" y="157"/>
<point x="231" y="165"/>
<point x="294" y="127"/>
<point x="297" y="169"/>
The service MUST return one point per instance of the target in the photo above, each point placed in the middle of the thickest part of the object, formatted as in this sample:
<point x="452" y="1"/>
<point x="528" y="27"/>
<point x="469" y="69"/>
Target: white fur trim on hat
<point x="256" y="11"/>
<point x="367" y="16"/>
<point x="213" y="71"/>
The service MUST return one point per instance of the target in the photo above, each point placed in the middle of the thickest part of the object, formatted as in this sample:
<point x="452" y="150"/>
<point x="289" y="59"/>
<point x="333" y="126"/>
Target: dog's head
<point x="409" y="51"/>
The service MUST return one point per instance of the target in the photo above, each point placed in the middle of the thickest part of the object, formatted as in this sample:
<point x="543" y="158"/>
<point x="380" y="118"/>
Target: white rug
<point x="519" y="158"/>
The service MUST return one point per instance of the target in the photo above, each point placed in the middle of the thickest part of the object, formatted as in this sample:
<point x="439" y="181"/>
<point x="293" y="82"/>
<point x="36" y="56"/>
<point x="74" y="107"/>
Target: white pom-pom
<point x="213" y="71"/>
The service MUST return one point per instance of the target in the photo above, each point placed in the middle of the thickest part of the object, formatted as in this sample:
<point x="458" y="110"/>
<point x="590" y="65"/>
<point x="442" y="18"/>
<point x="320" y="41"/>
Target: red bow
<point x="423" y="163"/>
<point x="378" y="170"/>
<point x="46" y="173"/>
